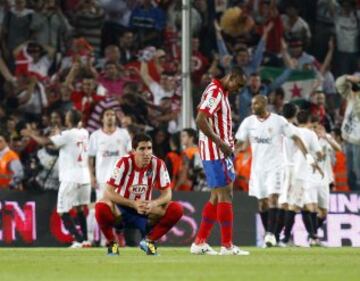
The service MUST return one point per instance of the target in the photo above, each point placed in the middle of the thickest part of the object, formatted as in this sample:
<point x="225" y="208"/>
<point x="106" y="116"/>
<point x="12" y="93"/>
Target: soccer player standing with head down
<point x="128" y="197"/>
<point x="74" y="190"/>
<point x="216" y="146"/>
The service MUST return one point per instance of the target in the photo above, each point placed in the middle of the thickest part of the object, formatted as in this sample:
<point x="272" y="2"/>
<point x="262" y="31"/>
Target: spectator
<point x="347" y="30"/>
<point x="49" y="26"/>
<point x="16" y="27"/>
<point x="348" y="87"/>
<point x="11" y="170"/>
<point x="127" y="47"/>
<point x="87" y="21"/>
<point x="294" y="25"/>
<point x="148" y="21"/>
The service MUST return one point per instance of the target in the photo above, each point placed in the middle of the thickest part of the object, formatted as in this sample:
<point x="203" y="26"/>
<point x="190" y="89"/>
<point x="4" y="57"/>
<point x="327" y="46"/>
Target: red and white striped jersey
<point x="215" y="103"/>
<point x="134" y="183"/>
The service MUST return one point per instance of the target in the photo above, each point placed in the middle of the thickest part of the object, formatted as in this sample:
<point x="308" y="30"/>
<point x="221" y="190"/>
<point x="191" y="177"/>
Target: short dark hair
<point x="289" y="110"/>
<point x="104" y="111"/>
<point x="5" y="135"/>
<point x="303" y="117"/>
<point x="236" y="70"/>
<point x="76" y="117"/>
<point x="140" y="138"/>
<point x="191" y="133"/>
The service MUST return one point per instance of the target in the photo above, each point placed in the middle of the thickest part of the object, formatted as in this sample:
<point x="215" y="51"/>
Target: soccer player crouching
<point x="127" y="198"/>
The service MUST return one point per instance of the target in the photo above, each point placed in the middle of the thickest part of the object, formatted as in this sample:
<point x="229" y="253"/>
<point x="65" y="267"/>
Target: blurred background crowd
<point x="91" y="55"/>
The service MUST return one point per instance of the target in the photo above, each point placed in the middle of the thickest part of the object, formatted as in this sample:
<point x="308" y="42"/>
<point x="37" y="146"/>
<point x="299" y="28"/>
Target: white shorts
<point x="323" y="196"/>
<point x="302" y="193"/>
<point x="71" y="195"/>
<point x="263" y="184"/>
<point x="288" y="181"/>
<point x="100" y="191"/>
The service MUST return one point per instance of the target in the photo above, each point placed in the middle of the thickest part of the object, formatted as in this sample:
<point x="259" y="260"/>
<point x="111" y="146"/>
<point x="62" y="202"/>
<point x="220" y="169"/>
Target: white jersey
<point x="266" y="138"/>
<point x="107" y="149"/>
<point x="303" y="170"/>
<point x="290" y="148"/>
<point x="73" y="155"/>
<point x="325" y="165"/>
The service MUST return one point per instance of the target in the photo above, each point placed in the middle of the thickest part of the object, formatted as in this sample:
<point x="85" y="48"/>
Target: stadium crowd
<point x="92" y="55"/>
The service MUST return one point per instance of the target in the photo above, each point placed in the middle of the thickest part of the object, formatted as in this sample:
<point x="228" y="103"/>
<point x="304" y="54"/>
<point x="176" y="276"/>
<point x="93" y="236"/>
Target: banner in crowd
<point x="29" y="219"/>
<point x="299" y="85"/>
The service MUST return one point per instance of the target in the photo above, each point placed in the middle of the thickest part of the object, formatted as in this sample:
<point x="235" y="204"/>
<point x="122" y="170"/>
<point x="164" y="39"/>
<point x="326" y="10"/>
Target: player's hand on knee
<point x="140" y="206"/>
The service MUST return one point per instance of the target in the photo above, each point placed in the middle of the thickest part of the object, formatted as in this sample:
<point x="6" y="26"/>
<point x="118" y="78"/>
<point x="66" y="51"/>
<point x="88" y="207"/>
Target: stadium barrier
<point x="30" y="219"/>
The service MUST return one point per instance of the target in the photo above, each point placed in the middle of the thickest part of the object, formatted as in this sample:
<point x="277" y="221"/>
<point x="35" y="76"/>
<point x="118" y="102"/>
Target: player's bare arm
<point x="91" y="163"/>
<point x="29" y="132"/>
<point x="203" y="124"/>
<point x="156" y="206"/>
<point x="111" y="195"/>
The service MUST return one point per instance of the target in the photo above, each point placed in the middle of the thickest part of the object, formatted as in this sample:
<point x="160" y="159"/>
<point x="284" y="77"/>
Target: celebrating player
<point x="264" y="131"/>
<point x="128" y="193"/>
<point x="216" y="149"/>
<point x="74" y="190"/>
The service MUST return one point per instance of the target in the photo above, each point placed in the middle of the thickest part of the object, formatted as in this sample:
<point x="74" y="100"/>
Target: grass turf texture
<point x="290" y="264"/>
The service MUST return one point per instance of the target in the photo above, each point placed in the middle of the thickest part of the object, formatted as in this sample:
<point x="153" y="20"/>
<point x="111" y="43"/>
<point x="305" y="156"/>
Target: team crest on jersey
<point x="211" y="102"/>
<point x="149" y="173"/>
<point x="138" y="189"/>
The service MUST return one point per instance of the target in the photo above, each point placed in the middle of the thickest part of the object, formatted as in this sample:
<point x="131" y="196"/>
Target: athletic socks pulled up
<point x="105" y="220"/>
<point x="272" y="220"/>
<point x="209" y="217"/>
<point x="70" y="226"/>
<point x="289" y="223"/>
<point x="225" y="217"/>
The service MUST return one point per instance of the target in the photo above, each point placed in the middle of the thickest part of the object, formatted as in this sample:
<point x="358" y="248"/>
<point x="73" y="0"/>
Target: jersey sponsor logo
<point x="262" y="140"/>
<point x="108" y="153"/>
<point x="138" y="189"/>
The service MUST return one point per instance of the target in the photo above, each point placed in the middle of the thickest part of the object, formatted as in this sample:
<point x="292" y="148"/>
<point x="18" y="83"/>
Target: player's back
<point x="326" y="165"/>
<point x="290" y="148"/>
<point x="302" y="169"/>
<point x="73" y="155"/>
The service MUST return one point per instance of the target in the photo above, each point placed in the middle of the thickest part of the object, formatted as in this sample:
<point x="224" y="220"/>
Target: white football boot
<point x="270" y="240"/>
<point x="202" y="249"/>
<point x="233" y="251"/>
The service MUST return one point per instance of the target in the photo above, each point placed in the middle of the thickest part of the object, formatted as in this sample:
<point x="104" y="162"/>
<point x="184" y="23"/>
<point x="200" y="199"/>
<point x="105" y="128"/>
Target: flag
<point x="299" y="85"/>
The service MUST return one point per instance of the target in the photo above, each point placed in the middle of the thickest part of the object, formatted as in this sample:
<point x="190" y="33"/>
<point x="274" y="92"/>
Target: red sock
<point x="173" y="213"/>
<point x="225" y="218"/>
<point x="105" y="220"/>
<point x="209" y="217"/>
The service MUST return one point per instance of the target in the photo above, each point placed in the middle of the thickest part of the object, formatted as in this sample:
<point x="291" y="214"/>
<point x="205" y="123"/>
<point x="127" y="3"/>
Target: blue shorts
<point x="131" y="218"/>
<point x="219" y="173"/>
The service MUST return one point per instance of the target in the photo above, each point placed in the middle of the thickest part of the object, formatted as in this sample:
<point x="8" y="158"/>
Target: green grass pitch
<point x="291" y="264"/>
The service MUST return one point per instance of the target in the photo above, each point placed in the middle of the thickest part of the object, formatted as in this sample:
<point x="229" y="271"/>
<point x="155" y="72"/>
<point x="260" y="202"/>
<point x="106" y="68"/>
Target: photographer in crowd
<point x="348" y="87"/>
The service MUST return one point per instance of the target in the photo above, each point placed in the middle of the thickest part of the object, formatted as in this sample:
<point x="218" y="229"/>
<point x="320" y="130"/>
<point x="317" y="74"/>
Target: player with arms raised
<point x="216" y="144"/>
<point x="128" y="197"/>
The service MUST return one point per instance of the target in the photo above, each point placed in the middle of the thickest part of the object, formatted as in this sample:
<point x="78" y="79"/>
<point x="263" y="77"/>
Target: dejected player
<point x="128" y="197"/>
<point x="216" y="146"/>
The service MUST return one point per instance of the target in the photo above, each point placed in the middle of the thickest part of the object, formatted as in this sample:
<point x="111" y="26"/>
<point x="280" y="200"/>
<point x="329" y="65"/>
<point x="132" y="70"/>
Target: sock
<point x="272" y="219"/>
<point x="172" y="215"/>
<point x="70" y="226"/>
<point x="264" y="219"/>
<point x="280" y="222"/>
<point x="289" y="223"/>
<point x="314" y="222"/>
<point x="83" y="224"/>
<point x="320" y="222"/>
<point x="105" y="220"/>
<point x="209" y="217"/>
<point x="225" y="218"/>
<point x="306" y="216"/>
